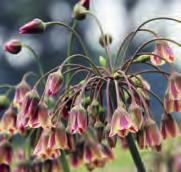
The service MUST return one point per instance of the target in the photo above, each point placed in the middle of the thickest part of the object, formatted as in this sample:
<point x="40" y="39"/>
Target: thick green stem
<point x="135" y="154"/>
<point x="64" y="162"/>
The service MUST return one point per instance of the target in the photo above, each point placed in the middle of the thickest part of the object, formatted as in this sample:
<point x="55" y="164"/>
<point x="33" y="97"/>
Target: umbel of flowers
<point x="64" y="123"/>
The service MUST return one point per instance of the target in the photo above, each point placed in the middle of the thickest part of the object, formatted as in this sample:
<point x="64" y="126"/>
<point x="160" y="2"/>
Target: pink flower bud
<point x="13" y="46"/>
<point x="5" y="153"/>
<point x="35" y="26"/>
<point x="54" y="83"/>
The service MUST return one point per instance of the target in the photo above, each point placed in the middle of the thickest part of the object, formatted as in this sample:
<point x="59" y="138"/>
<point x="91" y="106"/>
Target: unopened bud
<point x="105" y="40"/>
<point x="13" y="46"/>
<point x="4" y="102"/>
<point x="35" y="26"/>
<point x="79" y="12"/>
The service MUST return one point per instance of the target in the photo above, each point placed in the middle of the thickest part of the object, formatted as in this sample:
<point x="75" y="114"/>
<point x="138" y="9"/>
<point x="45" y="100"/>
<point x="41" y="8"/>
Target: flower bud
<point x="79" y="12"/>
<point x="102" y="62"/>
<point x="13" y="46"/>
<point x="105" y="40"/>
<point x="54" y="83"/>
<point x="6" y="153"/>
<point x="35" y="26"/>
<point x="4" y="102"/>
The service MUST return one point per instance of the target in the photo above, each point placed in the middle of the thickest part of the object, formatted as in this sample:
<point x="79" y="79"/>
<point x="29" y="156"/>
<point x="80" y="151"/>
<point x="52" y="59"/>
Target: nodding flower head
<point x="136" y="113"/>
<point x="6" y="153"/>
<point x="8" y="122"/>
<point x="121" y="123"/>
<point x="35" y="26"/>
<point x="13" y="46"/>
<point x="57" y="139"/>
<point x="80" y="8"/>
<point x="42" y="151"/>
<point x="30" y="103"/>
<point x="168" y="126"/>
<point x="163" y="50"/>
<point x="151" y="133"/>
<point x="54" y="83"/>
<point x="21" y="89"/>
<point x="77" y="122"/>
<point x="172" y="99"/>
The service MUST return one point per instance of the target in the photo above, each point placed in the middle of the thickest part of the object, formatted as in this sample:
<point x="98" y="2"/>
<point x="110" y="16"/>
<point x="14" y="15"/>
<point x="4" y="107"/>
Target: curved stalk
<point x="145" y="44"/>
<point x="73" y="31"/>
<point x="133" y="34"/>
<point x="102" y="34"/>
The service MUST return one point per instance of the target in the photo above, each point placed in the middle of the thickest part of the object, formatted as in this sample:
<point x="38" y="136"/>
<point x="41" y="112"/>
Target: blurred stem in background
<point x="69" y="51"/>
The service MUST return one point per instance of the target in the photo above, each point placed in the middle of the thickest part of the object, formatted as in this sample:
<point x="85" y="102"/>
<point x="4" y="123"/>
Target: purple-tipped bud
<point x="77" y="120"/>
<point x="54" y="83"/>
<point x="121" y="123"/>
<point x="168" y="127"/>
<point x="79" y="11"/>
<point x="35" y="26"/>
<point x="13" y="46"/>
<point x="21" y="89"/>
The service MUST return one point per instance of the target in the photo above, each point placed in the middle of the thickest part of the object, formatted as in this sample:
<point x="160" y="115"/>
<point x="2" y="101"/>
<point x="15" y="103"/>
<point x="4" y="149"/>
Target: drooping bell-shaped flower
<point x="168" y="126"/>
<point x="174" y="86"/>
<point x="21" y="89"/>
<point x="52" y="166"/>
<point x="13" y="46"/>
<point x="54" y="83"/>
<point x="151" y="133"/>
<point x="91" y="152"/>
<point x="172" y="99"/>
<point x="42" y="151"/>
<point x="136" y="113"/>
<point x="77" y="122"/>
<point x="6" y="153"/>
<point x="121" y="123"/>
<point x="5" y="168"/>
<point x="35" y="26"/>
<point x="111" y="141"/>
<point x="8" y="121"/>
<point x="57" y="139"/>
<point x="163" y="50"/>
<point x="30" y="104"/>
<point x="40" y="118"/>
